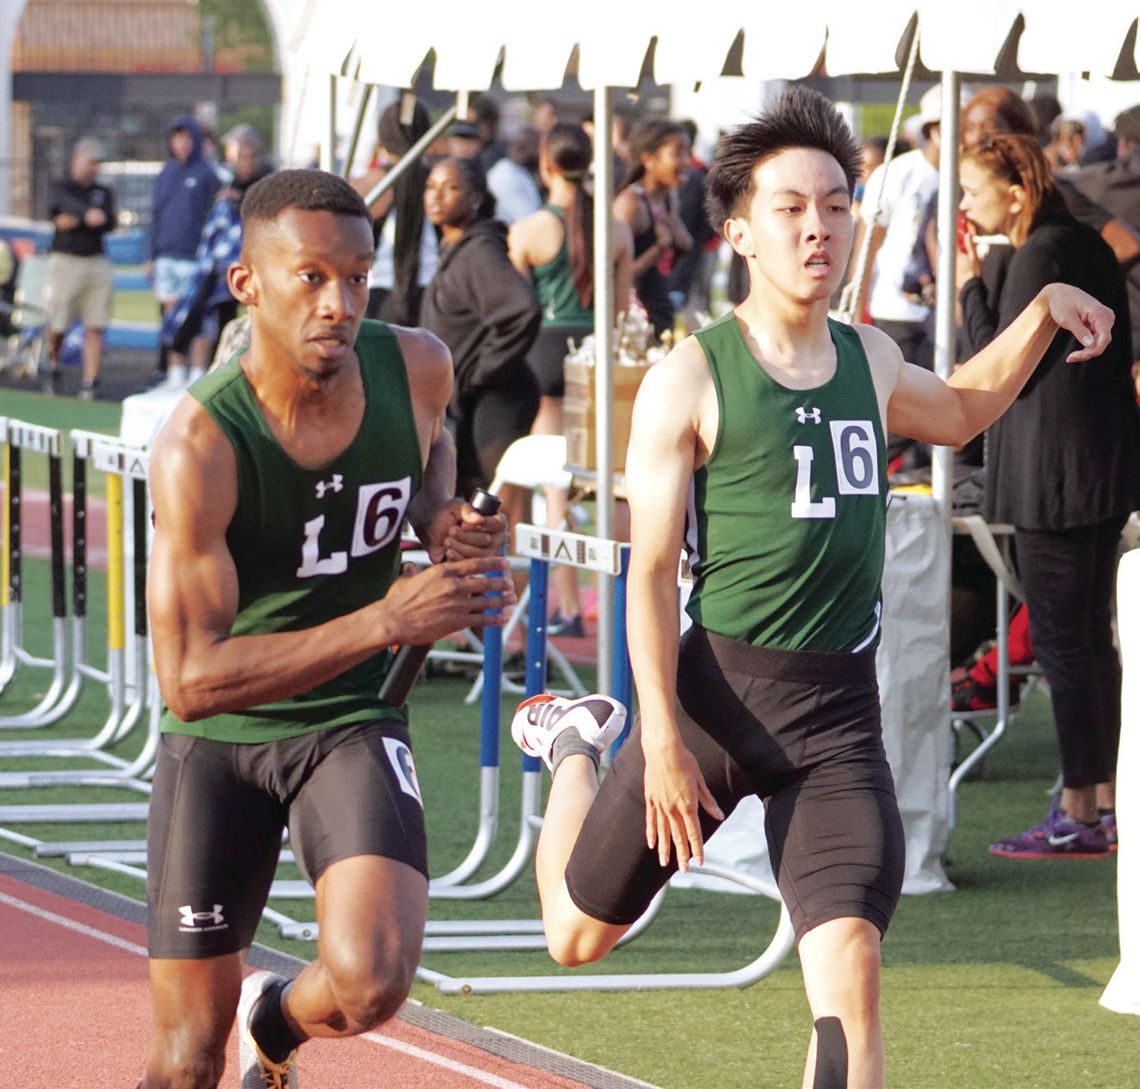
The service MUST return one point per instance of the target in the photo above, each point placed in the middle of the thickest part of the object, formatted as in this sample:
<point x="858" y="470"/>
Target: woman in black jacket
<point x="1063" y="466"/>
<point x="487" y="314"/>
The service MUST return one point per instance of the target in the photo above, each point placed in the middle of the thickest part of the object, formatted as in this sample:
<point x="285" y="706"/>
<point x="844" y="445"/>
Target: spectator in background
<point x="554" y="249"/>
<point x="207" y="306"/>
<point x="1115" y="186"/>
<point x="874" y="152"/>
<point x="1046" y="109"/>
<point x="1066" y="144"/>
<point x="407" y="250"/>
<point x="648" y="203"/>
<point x="511" y="179"/>
<point x="79" y="277"/>
<point x="544" y="115"/>
<point x="184" y="192"/>
<point x="484" y="113"/>
<point x="894" y="206"/>
<point x="488" y="316"/>
<point x="621" y="124"/>
<point x="995" y="109"/>
<point x="689" y="280"/>
<point x="1063" y="467"/>
<point x="463" y="141"/>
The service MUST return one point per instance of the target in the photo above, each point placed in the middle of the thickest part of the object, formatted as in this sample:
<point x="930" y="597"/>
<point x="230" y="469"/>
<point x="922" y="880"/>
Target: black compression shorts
<point x="802" y="731"/>
<point x="218" y="811"/>
<point x="548" y="353"/>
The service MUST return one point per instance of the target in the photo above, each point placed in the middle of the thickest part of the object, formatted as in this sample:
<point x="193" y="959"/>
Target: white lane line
<point x="71" y="924"/>
<point x="448" y="1064"/>
<point x="396" y="1045"/>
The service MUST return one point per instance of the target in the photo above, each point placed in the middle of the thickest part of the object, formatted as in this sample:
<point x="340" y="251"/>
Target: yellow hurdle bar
<point x="116" y="601"/>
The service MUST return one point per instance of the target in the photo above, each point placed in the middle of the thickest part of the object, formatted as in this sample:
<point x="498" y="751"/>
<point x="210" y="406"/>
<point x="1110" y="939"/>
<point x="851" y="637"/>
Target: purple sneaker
<point x="1058" y="836"/>
<point x="1108" y="823"/>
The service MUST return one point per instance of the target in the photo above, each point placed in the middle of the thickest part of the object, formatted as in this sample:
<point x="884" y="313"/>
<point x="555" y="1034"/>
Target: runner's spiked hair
<point x="800" y="117"/>
<point x="305" y="190"/>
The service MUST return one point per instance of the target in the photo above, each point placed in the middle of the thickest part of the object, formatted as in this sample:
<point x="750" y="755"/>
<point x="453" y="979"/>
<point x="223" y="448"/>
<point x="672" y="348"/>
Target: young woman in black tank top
<point x="659" y="152"/>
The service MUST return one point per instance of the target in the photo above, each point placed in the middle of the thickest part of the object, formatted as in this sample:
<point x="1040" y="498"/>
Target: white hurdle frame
<point x="121" y="462"/>
<point x="18" y="436"/>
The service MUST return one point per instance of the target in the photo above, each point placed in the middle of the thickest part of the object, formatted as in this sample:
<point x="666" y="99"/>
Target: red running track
<point x="75" y="1014"/>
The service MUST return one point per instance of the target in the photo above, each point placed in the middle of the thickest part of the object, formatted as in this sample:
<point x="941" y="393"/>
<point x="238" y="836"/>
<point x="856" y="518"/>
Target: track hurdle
<point x="18" y="436"/>
<point x="121" y="463"/>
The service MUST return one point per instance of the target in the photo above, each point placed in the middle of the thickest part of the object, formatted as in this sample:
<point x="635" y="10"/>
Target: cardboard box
<point x="580" y="417"/>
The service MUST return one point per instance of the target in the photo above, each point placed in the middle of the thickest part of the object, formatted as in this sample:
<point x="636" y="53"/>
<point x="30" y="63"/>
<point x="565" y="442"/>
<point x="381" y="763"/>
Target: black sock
<point x="1109" y="812"/>
<point x="570" y="743"/>
<point x="268" y="1026"/>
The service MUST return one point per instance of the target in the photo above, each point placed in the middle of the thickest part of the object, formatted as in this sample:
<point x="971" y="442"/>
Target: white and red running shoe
<point x="540" y="719"/>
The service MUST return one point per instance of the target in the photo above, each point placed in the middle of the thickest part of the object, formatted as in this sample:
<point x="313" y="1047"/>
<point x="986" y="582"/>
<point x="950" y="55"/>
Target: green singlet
<point x="786" y="520"/>
<point x="313" y="544"/>
<point x="555" y="288"/>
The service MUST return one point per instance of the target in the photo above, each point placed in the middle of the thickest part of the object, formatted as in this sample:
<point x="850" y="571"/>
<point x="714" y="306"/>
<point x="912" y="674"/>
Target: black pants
<point x="1068" y="578"/>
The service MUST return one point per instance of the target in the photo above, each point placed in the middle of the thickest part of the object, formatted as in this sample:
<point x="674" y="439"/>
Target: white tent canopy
<point x="613" y="40"/>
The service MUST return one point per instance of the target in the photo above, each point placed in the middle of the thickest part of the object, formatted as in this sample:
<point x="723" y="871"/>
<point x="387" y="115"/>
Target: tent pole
<point x="354" y="143"/>
<point x="603" y="363"/>
<point x="328" y="147"/>
<point x="942" y="468"/>
<point x="410" y="156"/>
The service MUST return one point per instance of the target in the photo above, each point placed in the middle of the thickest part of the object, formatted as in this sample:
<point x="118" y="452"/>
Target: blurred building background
<point x="120" y="70"/>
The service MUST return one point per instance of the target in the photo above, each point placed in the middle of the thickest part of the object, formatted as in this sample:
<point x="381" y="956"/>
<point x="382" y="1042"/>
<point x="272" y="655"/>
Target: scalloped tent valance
<point x="616" y="43"/>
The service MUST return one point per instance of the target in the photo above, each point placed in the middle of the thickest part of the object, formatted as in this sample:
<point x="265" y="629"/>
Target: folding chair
<point x="986" y="537"/>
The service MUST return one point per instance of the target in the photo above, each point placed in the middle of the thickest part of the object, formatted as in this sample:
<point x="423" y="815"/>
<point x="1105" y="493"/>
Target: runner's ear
<point x="242" y="283"/>
<point x="738" y="232"/>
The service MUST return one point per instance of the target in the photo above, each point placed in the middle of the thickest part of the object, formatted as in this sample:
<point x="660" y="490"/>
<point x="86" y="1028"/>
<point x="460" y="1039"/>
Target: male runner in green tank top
<point x="280" y="485"/>
<point x="758" y="444"/>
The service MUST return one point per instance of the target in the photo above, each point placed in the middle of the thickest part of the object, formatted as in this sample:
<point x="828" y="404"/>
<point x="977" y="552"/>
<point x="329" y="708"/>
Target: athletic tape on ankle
<point x="570" y="743"/>
<point x="830" y="1054"/>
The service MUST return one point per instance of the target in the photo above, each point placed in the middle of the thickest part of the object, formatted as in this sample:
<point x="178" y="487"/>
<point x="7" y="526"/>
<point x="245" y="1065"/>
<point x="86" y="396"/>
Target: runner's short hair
<point x="799" y="118"/>
<point x="306" y="190"/>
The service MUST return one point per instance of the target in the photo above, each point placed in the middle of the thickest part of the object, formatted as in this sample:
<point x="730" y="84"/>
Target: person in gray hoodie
<point x="184" y="192"/>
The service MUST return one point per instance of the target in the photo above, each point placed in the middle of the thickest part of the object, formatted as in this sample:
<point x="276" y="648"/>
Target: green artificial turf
<point x="139" y="307"/>
<point x="992" y="986"/>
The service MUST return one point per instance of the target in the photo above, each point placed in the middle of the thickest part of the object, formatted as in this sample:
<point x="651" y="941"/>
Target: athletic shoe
<point x="539" y="720"/>
<point x="258" y="1072"/>
<point x="1108" y="823"/>
<point x="570" y="626"/>
<point x="88" y="390"/>
<point x="1058" y="836"/>
<point x="52" y="381"/>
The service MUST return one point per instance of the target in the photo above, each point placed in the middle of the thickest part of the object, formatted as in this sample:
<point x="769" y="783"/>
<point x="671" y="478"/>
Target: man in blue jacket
<point x="183" y="194"/>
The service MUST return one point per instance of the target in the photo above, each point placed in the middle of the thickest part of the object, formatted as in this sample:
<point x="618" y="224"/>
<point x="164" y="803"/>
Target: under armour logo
<point x="805" y="414"/>
<point x="334" y="485"/>
<point x="195" y="920"/>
